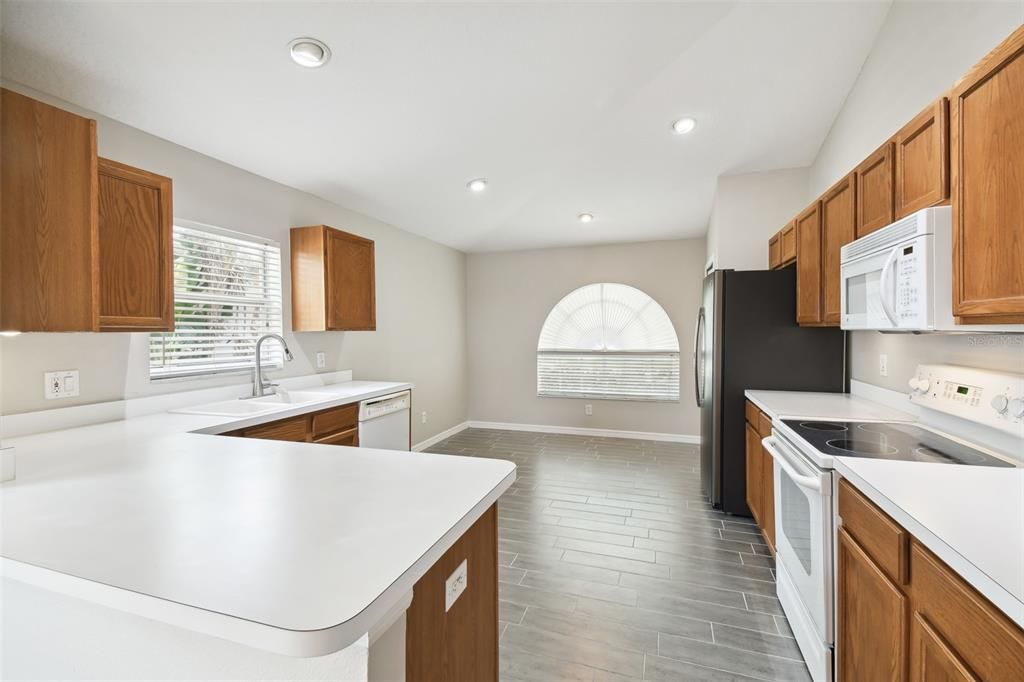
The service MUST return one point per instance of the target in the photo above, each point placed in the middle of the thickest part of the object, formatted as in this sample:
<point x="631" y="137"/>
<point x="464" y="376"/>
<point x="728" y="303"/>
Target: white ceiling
<point x="565" y="108"/>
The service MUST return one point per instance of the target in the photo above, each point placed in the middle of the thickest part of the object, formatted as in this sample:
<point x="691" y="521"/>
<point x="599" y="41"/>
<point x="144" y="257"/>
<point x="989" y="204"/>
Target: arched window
<point x="608" y="341"/>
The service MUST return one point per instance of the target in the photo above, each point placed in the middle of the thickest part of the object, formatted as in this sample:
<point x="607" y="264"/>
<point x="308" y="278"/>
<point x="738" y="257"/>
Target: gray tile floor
<point x="615" y="568"/>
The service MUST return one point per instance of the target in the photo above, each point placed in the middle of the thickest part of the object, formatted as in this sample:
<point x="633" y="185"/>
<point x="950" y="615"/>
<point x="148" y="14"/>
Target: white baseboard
<point x="583" y="431"/>
<point x="437" y="438"/>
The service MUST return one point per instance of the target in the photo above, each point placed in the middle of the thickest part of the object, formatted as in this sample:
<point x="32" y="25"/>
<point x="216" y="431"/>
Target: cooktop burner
<point x="889" y="440"/>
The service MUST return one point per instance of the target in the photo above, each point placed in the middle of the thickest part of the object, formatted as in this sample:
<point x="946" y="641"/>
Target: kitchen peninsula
<point x="153" y="547"/>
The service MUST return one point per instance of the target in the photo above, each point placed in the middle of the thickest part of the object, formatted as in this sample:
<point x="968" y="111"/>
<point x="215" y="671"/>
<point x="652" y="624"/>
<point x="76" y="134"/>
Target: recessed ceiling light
<point x="309" y="52"/>
<point x="477" y="185"/>
<point x="683" y="126"/>
<point x="585" y="217"/>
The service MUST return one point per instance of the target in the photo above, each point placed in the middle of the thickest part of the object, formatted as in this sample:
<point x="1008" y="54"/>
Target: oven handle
<point x="809" y="482"/>
<point x="883" y="287"/>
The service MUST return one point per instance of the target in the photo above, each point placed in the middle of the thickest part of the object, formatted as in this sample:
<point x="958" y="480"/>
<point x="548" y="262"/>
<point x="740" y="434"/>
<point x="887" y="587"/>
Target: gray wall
<point x="748" y="209"/>
<point x="421" y="300"/>
<point x="510" y="294"/>
<point x="921" y="50"/>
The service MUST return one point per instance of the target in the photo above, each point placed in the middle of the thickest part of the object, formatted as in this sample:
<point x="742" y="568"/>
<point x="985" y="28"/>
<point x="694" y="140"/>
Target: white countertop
<point x="969" y="516"/>
<point x="293" y="547"/>
<point x="842" y="406"/>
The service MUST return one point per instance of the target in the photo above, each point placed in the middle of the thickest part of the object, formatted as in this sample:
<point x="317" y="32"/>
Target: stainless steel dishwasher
<point x="384" y="422"/>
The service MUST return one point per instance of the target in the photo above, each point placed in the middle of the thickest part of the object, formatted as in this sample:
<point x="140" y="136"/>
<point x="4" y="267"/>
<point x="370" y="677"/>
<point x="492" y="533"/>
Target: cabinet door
<point x="774" y="252"/>
<point x="871" y="641"/>
<point x="48" y="249"/>
<point x="987" y="642"/>
<point x="875" y="185"/>
<point x="808" y="267"/>
<point x="293" y="429"/>
<point x="838" y="217"/>
<point x="136" y="260"/>
<point x="922" y="160"/>
<point x="768" y="497"/>
<point x="931" y="657"/>
<point x="350" y="438"/>
<point x="788" y="240"/>
<point x="351" y="298"/>
<point x="755" y="484"/>
<point x="988" y="204"/>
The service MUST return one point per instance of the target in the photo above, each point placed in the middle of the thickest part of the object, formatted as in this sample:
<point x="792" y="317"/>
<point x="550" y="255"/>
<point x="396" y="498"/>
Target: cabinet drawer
<point x="752" y="414"/>
<point x="335" y="419"/>
<point x="764" y="424"/>
<point x="880" y="536"/>
<point x="970" y="628"/>
<point x="293" y="429"/>
<point x="350" y="437"/>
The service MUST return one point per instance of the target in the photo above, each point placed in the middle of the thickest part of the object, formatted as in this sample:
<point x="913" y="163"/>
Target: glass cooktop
<point x="888" y="440"/>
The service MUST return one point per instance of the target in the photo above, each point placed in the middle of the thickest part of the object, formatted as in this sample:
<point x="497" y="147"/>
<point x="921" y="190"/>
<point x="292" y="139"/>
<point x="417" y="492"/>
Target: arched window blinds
<point x="608" y="341"/>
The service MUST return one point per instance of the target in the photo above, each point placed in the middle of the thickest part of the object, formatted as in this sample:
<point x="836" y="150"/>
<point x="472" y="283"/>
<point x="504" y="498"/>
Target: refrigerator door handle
<point x="698" y="368"/>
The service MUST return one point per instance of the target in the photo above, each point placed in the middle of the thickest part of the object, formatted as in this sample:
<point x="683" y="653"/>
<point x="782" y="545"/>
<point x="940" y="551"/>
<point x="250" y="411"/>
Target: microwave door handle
<point x="883" y="285"/>
<point x="809" y="482"/>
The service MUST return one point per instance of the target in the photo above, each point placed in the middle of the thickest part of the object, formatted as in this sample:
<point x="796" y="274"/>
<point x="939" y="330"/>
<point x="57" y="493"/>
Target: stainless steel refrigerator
<point x="747" y="338"/>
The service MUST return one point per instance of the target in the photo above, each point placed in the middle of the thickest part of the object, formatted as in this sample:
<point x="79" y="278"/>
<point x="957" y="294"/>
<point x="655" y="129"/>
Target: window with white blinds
<point x="227" y="293"/>
<point x="608" y="341"/>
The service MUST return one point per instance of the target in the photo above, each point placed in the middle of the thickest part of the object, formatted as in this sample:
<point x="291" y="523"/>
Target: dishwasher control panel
<point x="378" y="407"/>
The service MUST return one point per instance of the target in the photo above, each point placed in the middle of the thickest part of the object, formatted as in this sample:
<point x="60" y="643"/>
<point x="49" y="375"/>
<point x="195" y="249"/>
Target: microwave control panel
<point x="910" y="288"/>
<point x="994" y="399"/>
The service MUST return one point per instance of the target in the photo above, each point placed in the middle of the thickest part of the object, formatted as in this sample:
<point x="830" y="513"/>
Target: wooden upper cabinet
<point x="48" y="218"/>
<point x="333" y="281"/>
<point x="808" y="267"/>
<point x="875" y="189"/>
<point x="136" y="251"/>
<point x="787" y="244"/>
<point x="922" y="160"/>
<point x="871" y="641"/>
<point x="838" y="218"/>
<point x="987" y="149"/>
<point x="774" y="252"/>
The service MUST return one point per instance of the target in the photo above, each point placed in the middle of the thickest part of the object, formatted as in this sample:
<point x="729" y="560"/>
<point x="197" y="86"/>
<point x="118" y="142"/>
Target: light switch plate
<point x="456" y="584"/>
<point x="588" y="409"/>
<point x="883" y="365"/>
<point x="321" y="361"/>
<point x="62" y="384"/>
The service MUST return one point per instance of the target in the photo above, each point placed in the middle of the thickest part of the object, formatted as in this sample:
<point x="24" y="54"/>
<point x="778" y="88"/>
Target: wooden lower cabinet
<point x="333" y="426"/>
<point x="760" y="474"/>
<point x="768" y="496"/>
<point x="872" y="610"/>
<point x="929" y="626"/>
<point x="755" y="486"/>
<point x="461" y="644"/>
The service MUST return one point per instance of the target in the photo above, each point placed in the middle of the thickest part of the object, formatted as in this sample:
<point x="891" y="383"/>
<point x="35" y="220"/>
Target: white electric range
<point x="987" y="405"/>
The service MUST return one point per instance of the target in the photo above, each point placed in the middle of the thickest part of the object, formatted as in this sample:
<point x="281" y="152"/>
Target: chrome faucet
<point x="261" y="388"/>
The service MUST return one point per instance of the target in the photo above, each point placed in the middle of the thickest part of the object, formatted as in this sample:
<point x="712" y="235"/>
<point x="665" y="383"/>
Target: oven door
<point x="803" y="535"/>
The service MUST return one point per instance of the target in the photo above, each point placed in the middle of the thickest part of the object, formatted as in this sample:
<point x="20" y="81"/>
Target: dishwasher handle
<point x="384" y="405"/>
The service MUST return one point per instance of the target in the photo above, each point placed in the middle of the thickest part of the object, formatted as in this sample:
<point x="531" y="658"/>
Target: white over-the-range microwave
<point x="900" y="278"/>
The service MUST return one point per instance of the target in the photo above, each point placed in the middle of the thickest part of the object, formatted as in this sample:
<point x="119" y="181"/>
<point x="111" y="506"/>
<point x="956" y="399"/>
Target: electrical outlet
<point x="423" y="417"/>
<point x="62" y="384"/>
<point x="588" y="409"/>
<point x="883" y="365"/>
<point x="456" y="584"/>
<point x="321" y="360"/>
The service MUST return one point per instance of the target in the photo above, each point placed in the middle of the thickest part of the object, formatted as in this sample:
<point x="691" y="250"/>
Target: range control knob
<point x="1016" y="407"/>
<point x="999" y="403"/>
<point x="919" y="385"/>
